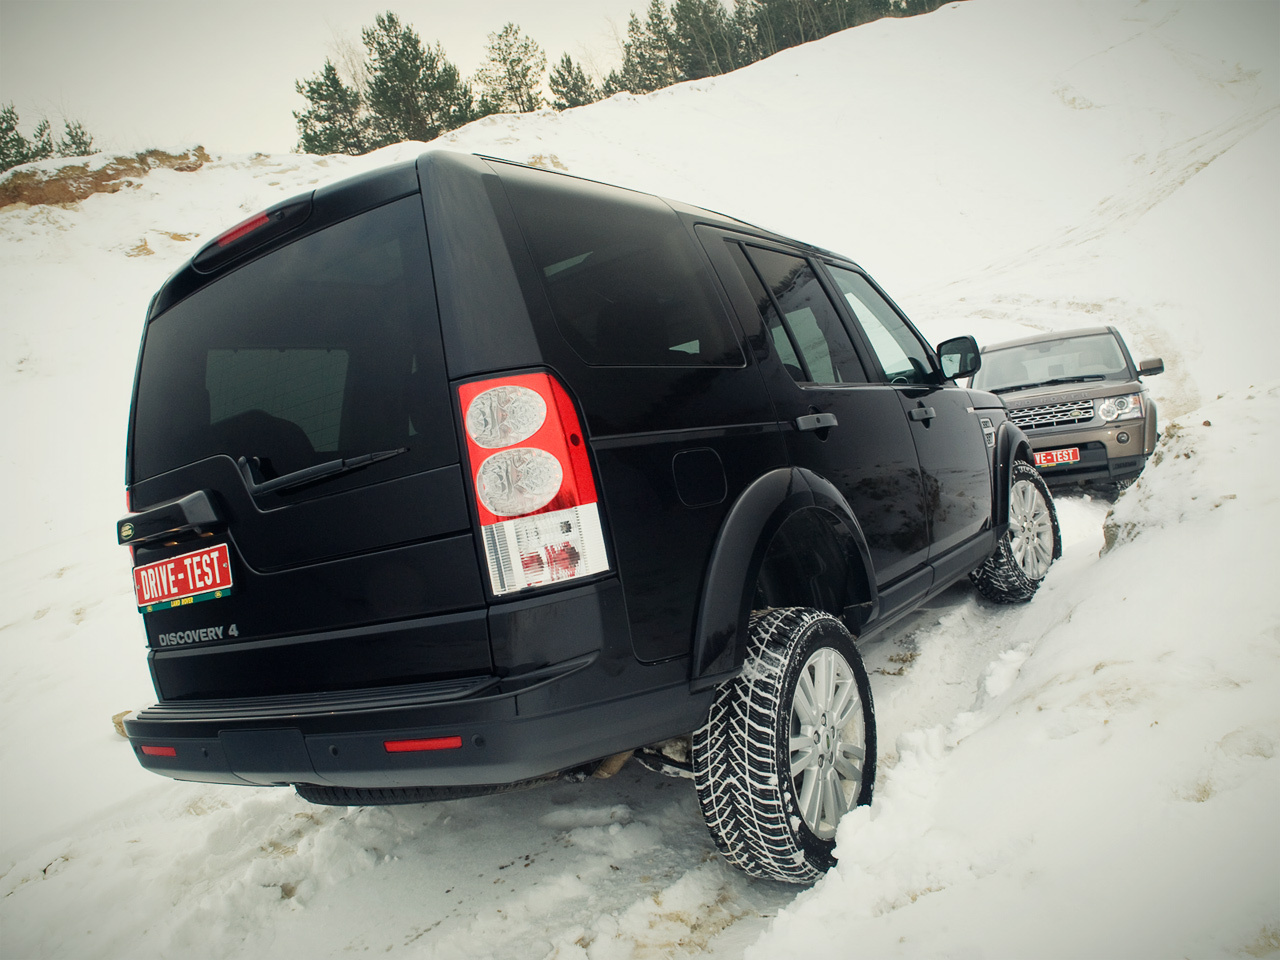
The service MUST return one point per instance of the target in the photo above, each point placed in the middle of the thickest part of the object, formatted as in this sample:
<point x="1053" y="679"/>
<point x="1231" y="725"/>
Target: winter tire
<point x="1013" y="573"/>
<point x="788" y="747"/>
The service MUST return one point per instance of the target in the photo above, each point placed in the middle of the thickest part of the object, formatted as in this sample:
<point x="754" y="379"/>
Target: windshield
<point x="1092" y="357"/>
<point x="320" y="351"/>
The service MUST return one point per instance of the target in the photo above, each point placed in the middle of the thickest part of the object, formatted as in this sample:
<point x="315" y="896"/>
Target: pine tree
<point x="648" y="55"/>
<point x="509" y="82"/>
<point x="414" y="92"/>
<point x="13" y="145"/>
<point x="337" y="121"/>
<point x="708" y="42"/>
<point x="570" y="85"/>
<point x="42" y="141"/>
<point x="16" y="149"/>
<point x="404" y="91"/>
<point x="76" y="141"/>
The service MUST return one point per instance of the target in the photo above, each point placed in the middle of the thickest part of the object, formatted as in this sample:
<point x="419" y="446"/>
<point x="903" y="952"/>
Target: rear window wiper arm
<point x="321" y="471"/>
<point x="1083" y="378"/>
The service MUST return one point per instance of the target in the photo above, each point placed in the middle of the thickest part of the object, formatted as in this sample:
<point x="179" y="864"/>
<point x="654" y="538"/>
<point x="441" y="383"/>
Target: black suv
<point x="460" y="475"/>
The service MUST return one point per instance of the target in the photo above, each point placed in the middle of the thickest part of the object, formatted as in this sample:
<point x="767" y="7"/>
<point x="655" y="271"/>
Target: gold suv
<point x="1080" y="399"/>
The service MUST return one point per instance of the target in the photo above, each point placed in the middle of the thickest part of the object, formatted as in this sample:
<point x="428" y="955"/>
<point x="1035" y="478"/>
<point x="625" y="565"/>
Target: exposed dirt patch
<point x="75" y="182"/>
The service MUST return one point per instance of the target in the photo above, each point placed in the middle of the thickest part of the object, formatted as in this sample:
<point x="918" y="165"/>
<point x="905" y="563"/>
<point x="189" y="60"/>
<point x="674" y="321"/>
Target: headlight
<point x="1121" y="408"/>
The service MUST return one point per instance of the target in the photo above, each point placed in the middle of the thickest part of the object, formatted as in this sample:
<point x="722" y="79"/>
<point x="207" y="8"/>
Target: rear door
<point x="323" y="355"/>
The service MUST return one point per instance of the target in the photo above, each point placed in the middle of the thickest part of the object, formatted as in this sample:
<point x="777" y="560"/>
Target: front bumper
<point x="1104" y="456"/>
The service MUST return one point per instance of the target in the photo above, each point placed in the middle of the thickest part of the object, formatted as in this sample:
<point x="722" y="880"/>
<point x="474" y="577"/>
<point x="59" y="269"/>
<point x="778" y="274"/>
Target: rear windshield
<point x="626" y="283"/>
<point x="325" y="349"/>
<point x="1094" y="356"/>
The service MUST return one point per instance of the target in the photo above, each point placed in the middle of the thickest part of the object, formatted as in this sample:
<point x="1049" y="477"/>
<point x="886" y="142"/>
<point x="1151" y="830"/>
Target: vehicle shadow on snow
<point x="527" y="873"/>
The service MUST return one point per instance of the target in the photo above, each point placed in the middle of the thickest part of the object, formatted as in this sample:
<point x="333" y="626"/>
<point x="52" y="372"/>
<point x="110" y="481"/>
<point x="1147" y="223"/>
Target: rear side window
<point x="327" y="348"/>
<point x="806" y="330"/>
<point x="626" y="283"/>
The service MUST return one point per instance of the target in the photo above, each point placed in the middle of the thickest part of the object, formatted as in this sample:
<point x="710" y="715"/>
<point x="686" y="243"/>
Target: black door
<point x="948" y="436"/>
<point x="811" y="367"/>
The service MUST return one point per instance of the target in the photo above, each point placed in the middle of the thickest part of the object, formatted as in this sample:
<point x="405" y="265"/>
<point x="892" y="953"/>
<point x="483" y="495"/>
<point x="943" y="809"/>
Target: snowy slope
<point x="1093" y="774"/>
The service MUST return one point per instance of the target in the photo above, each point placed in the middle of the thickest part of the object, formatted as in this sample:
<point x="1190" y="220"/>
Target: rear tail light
<point x="159" y="751"/>
<point x="534" y="489"/>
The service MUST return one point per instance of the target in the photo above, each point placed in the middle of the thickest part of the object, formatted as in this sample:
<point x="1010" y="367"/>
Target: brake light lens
<point x="250" y="234"/>
<point x="534" y="488"/>
<point x="242" y="229"/>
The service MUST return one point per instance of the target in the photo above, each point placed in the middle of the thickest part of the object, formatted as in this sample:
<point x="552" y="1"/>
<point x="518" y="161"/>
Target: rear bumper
<point x="484" y="730"/>
<point x="491" y="737"/>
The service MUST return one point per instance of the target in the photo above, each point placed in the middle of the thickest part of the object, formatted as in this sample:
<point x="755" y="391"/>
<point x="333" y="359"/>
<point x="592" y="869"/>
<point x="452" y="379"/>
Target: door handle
<point x="816" y="421"/>
<point x="923" y="413"/>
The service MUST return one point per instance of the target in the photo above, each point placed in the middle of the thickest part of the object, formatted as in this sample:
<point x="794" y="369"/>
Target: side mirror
<point x="1149" y="368"/>
<point x="959" y="357"/>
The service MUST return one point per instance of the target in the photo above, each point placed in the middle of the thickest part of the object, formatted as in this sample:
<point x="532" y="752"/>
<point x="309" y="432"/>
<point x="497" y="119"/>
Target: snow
<point x="1093" y="774"/>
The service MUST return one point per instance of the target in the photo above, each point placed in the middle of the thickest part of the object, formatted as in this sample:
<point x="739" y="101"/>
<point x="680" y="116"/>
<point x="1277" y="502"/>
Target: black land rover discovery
<point x="461" y="475"/>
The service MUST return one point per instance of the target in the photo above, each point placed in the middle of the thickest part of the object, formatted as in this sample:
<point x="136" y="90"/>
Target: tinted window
<point x="808" y="330"/>
<point x="625" y="281"/>
<point x="305" y="387"/>
<point x="325" y="348"/>
<point x="902" y="355"/>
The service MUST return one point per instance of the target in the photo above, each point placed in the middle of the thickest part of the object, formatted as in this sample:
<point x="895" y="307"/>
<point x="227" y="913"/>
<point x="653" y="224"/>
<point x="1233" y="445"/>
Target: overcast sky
<point x="168" y="73"/>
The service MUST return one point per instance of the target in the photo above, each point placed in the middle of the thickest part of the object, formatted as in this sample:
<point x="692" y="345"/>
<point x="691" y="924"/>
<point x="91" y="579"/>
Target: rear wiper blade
<point x="321" y="471"/>
<point x="1083" y="378"/>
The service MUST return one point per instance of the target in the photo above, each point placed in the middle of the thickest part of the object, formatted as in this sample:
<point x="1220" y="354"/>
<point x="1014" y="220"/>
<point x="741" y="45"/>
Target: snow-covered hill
<point x="1095" y="774"/>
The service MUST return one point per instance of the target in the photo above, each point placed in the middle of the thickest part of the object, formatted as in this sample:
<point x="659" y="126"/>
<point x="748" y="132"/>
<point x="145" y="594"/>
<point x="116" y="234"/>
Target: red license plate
<point x="1066" y="455"/>
<point x="190" y="578"/>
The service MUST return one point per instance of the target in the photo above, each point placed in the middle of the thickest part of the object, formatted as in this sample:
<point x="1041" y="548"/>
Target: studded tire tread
<point x="745" y="798"/>
<point x="1000" y="579"/>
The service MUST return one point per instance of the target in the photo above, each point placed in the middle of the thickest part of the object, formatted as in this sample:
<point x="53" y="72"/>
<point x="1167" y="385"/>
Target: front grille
<point x="1053" y="414"/>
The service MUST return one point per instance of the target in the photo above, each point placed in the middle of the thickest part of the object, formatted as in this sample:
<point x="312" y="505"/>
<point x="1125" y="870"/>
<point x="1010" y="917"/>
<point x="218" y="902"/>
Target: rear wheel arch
<point x="757" y="559"/>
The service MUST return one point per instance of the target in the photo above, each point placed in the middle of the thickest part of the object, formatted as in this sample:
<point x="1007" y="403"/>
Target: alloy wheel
<point x="1030" y="530"/>
<point x="828" y="741"/>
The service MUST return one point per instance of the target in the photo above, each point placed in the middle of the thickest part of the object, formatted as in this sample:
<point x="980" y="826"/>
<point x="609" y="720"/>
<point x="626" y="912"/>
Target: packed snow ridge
<point x="1095" y="774"/>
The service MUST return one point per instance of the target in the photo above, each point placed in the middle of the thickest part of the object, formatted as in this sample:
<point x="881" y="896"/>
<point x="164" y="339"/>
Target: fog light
<point x="1122" y="437"/>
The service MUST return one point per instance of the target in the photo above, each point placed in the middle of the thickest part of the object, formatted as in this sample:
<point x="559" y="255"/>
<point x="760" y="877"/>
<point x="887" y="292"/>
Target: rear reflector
<point x="160" y="751"/>
<point x="417" y="746"/>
